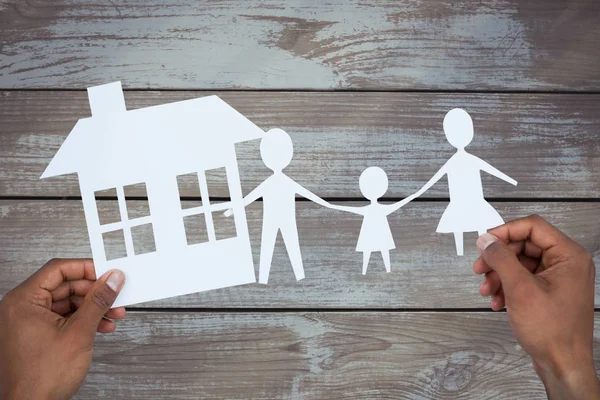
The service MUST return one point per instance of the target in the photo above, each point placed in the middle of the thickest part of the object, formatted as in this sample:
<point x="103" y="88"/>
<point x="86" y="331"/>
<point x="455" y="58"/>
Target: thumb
<point x="500" y="258"/>
<point x="97" y="302"/>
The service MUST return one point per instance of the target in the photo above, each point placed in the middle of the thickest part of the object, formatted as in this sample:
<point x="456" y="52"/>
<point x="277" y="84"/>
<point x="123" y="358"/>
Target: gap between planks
<point x="337" y="199"/>
<point x="280" y="310"/>
<point x="309" y="90"/>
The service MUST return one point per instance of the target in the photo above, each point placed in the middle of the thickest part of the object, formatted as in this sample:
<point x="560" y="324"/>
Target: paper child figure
<point x="468" y="211"/>
<point x="279" y="203"/>
<point x="375" y="233"/>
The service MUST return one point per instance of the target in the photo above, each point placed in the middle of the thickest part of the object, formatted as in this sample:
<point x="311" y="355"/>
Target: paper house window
<point x="204" y="221"/>
<point x="125" y="223"/>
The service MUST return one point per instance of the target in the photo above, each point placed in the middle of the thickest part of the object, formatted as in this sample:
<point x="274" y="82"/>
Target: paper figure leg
<point x="292" y="244"/>
<point x="458" y="239"/>
<point x="386" y="260"/>
<point x="366" y="256"/>
<point x="267" y="246"/>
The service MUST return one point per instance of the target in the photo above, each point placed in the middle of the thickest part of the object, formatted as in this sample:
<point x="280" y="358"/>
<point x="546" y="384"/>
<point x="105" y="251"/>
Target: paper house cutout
<point x="115" y="148"/>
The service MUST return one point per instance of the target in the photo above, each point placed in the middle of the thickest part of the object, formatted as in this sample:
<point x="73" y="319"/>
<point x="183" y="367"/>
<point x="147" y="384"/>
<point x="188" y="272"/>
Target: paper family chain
<point x="116" y="147"/>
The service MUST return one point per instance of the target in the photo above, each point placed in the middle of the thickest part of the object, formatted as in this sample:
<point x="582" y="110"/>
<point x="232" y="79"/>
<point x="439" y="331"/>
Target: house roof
<point x="169" y="138"/>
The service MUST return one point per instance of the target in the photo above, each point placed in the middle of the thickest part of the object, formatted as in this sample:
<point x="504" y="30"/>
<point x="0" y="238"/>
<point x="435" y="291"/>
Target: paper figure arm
<point x="302" y="191"/>
<point x="396" y="206"/>
<point x="438" y="175"/>
<point x="353" y="210"/>
<point x="484" y="166"/>
<point x="250" y="197"/>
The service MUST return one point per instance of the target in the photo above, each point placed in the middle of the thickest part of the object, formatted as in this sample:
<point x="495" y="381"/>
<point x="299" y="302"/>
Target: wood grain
<point x="426" y="273"/>
<point x="549" y="143"/>
<point x="269" y="44"/>
<point x="310" y="355"/>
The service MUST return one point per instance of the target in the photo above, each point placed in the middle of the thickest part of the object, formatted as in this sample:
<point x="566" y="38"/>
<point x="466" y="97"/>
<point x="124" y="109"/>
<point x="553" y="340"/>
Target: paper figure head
<point x="276" y="149"/>
<point x="458" y="127"/>
<point x="373" y="183"/>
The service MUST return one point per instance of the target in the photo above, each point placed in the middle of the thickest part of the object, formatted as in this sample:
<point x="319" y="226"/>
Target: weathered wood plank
<point x="426" y="273"/>
<point x="549" y="143"/>
<point x="313" y="356"/>
<point x="490" y="44"/>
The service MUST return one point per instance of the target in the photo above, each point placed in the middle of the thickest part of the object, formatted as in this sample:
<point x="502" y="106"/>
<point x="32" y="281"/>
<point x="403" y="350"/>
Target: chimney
<point x="106" y="99"/>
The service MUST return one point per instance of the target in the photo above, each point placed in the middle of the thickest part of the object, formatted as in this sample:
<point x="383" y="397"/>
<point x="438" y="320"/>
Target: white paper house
<point x="116" y="148"/>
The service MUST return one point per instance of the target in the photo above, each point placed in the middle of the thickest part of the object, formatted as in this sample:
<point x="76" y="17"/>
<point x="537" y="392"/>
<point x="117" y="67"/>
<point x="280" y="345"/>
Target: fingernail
<point x="116" y="280"/>
<point x="485" y="240"/>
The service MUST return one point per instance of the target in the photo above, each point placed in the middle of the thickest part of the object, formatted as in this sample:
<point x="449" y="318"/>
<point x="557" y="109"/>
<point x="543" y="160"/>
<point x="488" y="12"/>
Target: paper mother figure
<point x="468" y="210"/>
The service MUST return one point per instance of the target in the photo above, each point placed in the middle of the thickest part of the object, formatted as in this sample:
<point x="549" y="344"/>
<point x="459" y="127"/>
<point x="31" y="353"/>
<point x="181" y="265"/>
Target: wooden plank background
<point x="312" y="355"/>
<point x="548" y="142"/>
<point x="405" y="44"/>
<point x="426" y="273"/>
<point x="355" y="84"/>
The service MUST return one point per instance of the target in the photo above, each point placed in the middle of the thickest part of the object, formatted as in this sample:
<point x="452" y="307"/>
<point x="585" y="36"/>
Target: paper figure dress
<point x="153" y="146"/>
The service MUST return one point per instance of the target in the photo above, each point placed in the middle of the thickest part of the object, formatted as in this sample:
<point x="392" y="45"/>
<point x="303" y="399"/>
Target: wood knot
<point x="455" y="377"/>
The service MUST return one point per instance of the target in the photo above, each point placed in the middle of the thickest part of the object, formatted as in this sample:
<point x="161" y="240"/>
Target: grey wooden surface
<point x="426" y="273"/>
<point x="355" y="84"/>
<point x="313" y="355"/>
<point x="311" y="44"/>
<point x="548" y="142"/>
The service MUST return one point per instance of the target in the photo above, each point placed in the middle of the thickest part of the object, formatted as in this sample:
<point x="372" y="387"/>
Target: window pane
<point x="114" y="245"/>
<point x="218" y="189"/>
<point x="195" y="229"/>
<point x="224" y="226"/>
<point x="107" y="206"/>
<point x="136" y="208"/>
<point x="188" y="187"/>
<point x="143" y="239"/>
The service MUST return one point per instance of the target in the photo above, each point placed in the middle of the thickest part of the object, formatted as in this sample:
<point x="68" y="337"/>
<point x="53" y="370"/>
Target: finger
<point x="530" y="264"/>
<point x="480" y="267"/>
<point x="96" y="303"/>
<point x="116" y="313"/>
<point x="56" y="271"/>
<point x="71" y="288"/>
<point x="525" y="247"/>
<point x="498" y="301"/>
<point x="106" y="326"/>
<point x="491" y="284"/>
<point x="533" y="228"/>
<point x="69" y="305"/>
<point x="500" y="258"/>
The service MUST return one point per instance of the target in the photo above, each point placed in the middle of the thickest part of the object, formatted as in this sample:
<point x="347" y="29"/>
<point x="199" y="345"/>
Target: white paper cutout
<point x="468" y="210"/>
<point x="279" y="203"/>
<point x="375" y="232"/>
<point x="116" y="148"/>
<point x="154" y="145"/>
